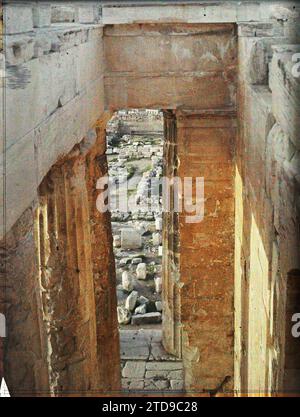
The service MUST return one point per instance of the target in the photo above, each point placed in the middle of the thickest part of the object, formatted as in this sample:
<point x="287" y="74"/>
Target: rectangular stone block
<point x="130" y="239"/>
<point x="204" y="48"/>
<point x="134" y="369"/>
<point x="41" y="15"/>
<point x="165" y="91"/>
<point x="148" y="318"/>
<point x="164" y="366"/>
<point x="61" y="14"/>
<point x="86" y="13"/>
<point x="18" y="18"/>
<point x="208" y="13"/>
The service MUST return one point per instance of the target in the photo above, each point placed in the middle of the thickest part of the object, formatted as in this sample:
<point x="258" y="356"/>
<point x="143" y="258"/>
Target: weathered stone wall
<point x="64" y="338"/>
<point x="59" y="78"/>
<point x="174" y="66"/>
<point x="267" y="209"/>
<point x="206" y="142"/>
<point x="53" y="96"/>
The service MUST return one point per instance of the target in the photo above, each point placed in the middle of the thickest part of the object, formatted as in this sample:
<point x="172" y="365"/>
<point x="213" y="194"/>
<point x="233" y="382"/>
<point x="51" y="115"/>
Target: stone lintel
<point x="206" y="118"/>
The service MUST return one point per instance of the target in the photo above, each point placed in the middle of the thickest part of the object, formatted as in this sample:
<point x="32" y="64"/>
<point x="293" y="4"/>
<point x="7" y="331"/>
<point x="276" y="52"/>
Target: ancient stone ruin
<point x="200" y="299"/>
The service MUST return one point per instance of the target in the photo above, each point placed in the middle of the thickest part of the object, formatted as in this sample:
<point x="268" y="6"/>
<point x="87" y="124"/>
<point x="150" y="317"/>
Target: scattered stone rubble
<point x="137" y="234"/>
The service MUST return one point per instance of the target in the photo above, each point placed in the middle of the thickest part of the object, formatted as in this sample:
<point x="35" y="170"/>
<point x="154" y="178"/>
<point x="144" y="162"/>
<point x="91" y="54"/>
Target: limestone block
<point x="130" y="239"/>
<point x="282" y="11"/>
<point x="136" y="385"/>
<point x="164" y="366"/>
<point x="158" y="284"/>
<point x="61" y="14"/>
<point x="158" y="224"/>
<point x="134" y="369"/>
<point x="117" y="241"/>
<point x="254" y="29"/>
<point x="148" y="318"/>
<point x="143" y="300"/>
<point x="161" y="384"/>
<point x="211" y="13"/>
<point x="127" y="281"/>
<point x="141" y="309"/>
<point x="86" y="13"/>
<point x="90" y="58"/>
<point x="125" y="261"/>
<point x="158" y="306"/>
<point x="39" y="89"/>
<point x="166" y="92"/>
<point x="59" y="133"/>
<point x="131" y="300"/>
<point x="124" y="315"/>
<point x="159" y="374"/>
<point x="176" y="384"/>
<point x="41" y="15"/>
<point x="18" y="18"/>
<point x="141" y="271"/>
<point x="201" y="52"/>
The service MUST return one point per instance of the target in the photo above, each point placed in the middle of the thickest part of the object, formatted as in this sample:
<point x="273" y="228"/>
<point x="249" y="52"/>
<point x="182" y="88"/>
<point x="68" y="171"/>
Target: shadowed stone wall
<point x="267" y="209"/>
<point x="206" y="142"/>
<point x="63" y="336"/>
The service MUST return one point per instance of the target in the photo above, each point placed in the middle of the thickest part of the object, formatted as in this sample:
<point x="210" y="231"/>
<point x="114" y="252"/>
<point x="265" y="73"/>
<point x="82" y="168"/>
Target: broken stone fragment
<point x="158" y="284"/>
<point x="131" y="300"/>
<point x="158" y="224"/>
<point x="158" y="305"/>
<point x="141" y="271"/>
<point x="161" y="383"/>
<point x="176" y="385"/>
<point x="148" y="318"/>
<point x="117" y="241"/>
<point x="141" y="309"/>
<point x="143" y="300"/>
<point x="136" y="261"/>
<point x="127" y="281"/>
<point x="130" y="239"/>
<point x="124" y="315"/>
<point x="134" y="369"/>
<point x="125" y="261"/>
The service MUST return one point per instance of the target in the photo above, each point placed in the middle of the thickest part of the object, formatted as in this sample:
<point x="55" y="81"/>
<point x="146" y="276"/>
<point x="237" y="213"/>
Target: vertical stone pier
<point x="205" y="149"/>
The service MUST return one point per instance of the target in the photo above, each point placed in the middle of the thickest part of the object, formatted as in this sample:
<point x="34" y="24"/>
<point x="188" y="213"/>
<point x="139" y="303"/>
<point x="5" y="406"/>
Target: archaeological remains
<point x="156" y="301"/>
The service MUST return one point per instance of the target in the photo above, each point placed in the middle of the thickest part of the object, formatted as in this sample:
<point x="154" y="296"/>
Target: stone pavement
<point x="146" y="366"/>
